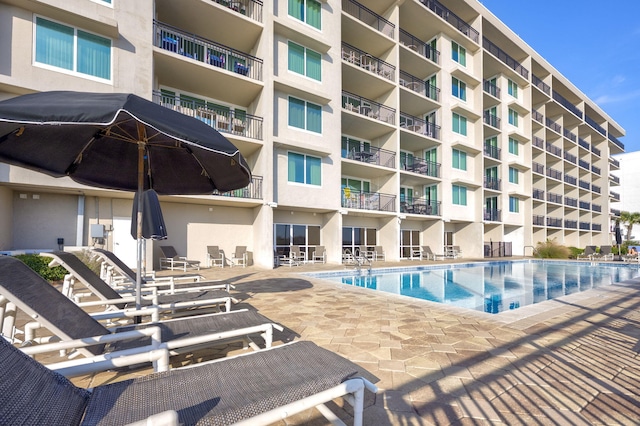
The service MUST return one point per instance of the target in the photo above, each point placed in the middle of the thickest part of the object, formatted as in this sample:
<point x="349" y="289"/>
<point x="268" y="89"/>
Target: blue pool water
<point x="489" y="286"/>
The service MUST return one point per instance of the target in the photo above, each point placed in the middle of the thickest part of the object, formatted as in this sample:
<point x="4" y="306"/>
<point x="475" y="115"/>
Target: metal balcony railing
<point x="538" y="194"/>
<point x="539" y="142"/>
<point x="596" y="208"/>
<point x="553" y="149"/>
<point x="568" y="105"/>
<point x="553" y="125"/>
<point x="417" y="45"/>
<point x="207" y="51"/>
<point x="505" y="58"/>
<point x="553" y="173"/>
<point x="540" y="84"/>
<point x="595" y="150"/>
<point x="492" y="183"/>
<point x="537" y="116"/>
<point x="615" y="141"/>
<point x="571" y="224"/>
<point x="491" y="89"/>
<point x="595" y="170"/>
<point x="554" y="221"/>
<point x="570" y="201"/>
<point x="369" y="17"/>
<point x="440" y="10"/>
<point x="554" y="198"/>
<point x="424" y="207"/>
<point x="595" y="189"/>
<point x="491" y="119"/>
<point x="584" y="225"/>
<point x="584" y="164"/>
<point x="615" y="212"/>
<point x="418" y="125"/>
<point x="614" y="179"/>
<point x="570" y="179"/>
<point x="492" y="151"/>
<point x="420" y="166"/>
<point x="596" y="227"/>
<point x="583" y="143"/>
<point x="590" y="121"/>
<point x="537" y="168"/>
<point x="249" y="8"/>
<point x="377" y="201"/>
<point x="252" y="191"/>
<point x="417" y="85"/>
<point x="368" y="62"/>
<point x="614" y="162"/>
<point x="569" y="135"/>
<point x="368" y="108"/>
<point x="585" y="205"/>
<point x="222" y="119"/>
<point x="492" y="215"/>
<point x="373" y="155"/>
<point x="614" y="195"/>
<point x="570" y="157"/>
<point x="538" y="220"/>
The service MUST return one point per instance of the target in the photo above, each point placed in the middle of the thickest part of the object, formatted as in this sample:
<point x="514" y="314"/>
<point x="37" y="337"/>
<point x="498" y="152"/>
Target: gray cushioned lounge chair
<point x="66" y="320"/>
<point x="258" y="388"/>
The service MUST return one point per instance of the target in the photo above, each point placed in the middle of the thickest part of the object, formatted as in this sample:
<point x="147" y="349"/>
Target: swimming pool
<point x="489" y="286"/>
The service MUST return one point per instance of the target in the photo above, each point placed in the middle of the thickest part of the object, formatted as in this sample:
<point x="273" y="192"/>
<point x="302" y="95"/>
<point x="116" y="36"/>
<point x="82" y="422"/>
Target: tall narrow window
<point x="458" y="54"/>
<point x="304" y="169"/>
<point x="305" y="115"/>
<point x="514" y="204"/>
<point x="309" y="11"/>
<point x="459" y="159"/>
<point x="514" y="146"/>
<point x="305" y="61"/>
<point x="459" y="195"/>
<point x="512" y="88"/>
<point x="458" y="89"/>
<point x="459" y="124"/>
<point x="513" y="117"/>
<point x="513" y="175"/>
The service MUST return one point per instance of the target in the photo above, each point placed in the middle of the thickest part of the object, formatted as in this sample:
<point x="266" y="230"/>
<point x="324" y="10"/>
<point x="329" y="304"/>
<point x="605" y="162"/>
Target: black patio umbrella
<point x="119" y="141"/>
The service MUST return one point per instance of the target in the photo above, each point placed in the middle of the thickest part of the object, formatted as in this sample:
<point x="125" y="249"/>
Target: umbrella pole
<point x="139" y="218"/>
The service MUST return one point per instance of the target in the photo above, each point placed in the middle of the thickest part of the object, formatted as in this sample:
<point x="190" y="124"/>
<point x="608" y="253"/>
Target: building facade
<point x="395" y="124"/>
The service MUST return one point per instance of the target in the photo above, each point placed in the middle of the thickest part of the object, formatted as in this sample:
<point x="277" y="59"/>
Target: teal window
<point x="459" y="124"/>
<point x="513" y="175"/>
<point x="458" y="89"/>
<point x="305" y="61"/>
<point x="513" y="117"/>
<point x="512" y="88"/>
<point x="514" y="205"/>
<point x="68" y="48"/>
<point x="458" y="54"/>
<point x="514" y="146"/>
<point x="304" y="169"/>
<point x="459" y="160"/>
<point x="459" y="194"/>
<point x="305" y="115"/>
<point x="309" y="11"/>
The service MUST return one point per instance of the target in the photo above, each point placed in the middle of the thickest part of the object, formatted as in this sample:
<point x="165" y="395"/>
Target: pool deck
<point x="574" y="360"/>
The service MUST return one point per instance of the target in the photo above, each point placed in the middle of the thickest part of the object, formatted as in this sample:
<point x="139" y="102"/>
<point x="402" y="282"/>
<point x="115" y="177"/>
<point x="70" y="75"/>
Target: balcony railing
<point x="538" y="194"/>
<point x="424" y="49"/>
<point x="595" y="150"/>
<point x="491" y="119"/>
<point x="595" y="170"/>
<point x="423" y="167"/>
<point x="369" y="17"/>
<point x="568" y="105"/>
<point x="372" y="155"/>
<point x="554" y="198"/>
<point x="553" y="125"/>
<point x="440" y="10"/>
<point x="203" y="50"/>
<point x="553" y="173"/>
<point x="614" y="179"/>
<point x="596" y="227"/>
<point x="505" y="58"/>
<point x="570" y="157"/>
<point x="492" y="183"/>
<point x="571" y="224"/>
<point x="492" y="215"/>
<point x="252" y="191"/>
<point x="492" y="151"/>
<point x="570" y="201"/>
<point x="554" y="149"/>
<point x="538" y="220"/>
<point x="583" y="164"/>
<point x="570" y="179"/>
<point x="585" y="225"/>
<point x="222" y="119"/>
<point x="590" y="121"/>
<point x="249" y="8"/>
<point x="614" y="195"/>
<point x="424" y="207"/>
<point x="569" y="135"/>
<point x="596" y="208"/>
<point x="539" y="142"/>
<point x="554" y="221"/>
<point x="419" y="86"/>
<point x="537" y="168"/>
<point x="370" y="63"/>
<point x="537" y="116"/>
<point x="541" y="84"/>
<point x="616" y="141"/>
<point x="583" y="143"/>
<point x="614" y="162"/>
<point x="368" y="200"/>
<point x="367" y="107"/>
<point x="418" y="125"/>
<point x="615" y="212"/>
<point x="595" y="189"/>
<point x="585" y="205"/>
<point x="491" y="89"/>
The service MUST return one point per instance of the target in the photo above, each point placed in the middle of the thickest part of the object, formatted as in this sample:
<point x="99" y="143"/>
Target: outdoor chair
<point x="378" y="253"/>
<point x="251" y="389"/>
<point x="319" y="254"/>
<point x="67" y="321"/>
<point x="427" y="253"/>
<point x="293" y="258"/>
<point x="588" y="252"/>
<point x="190" y="298"/>
<point x="239" y="256"/>
<point x="215" y="257"/>
<point x="347" y="257"/>
<point x="604" y="254"/>
<point x="171" y="260"/>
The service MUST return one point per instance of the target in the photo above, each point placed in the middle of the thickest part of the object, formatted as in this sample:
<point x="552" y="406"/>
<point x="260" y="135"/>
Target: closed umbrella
<point x="618" y="236"/>
<point x="119" y="141"/>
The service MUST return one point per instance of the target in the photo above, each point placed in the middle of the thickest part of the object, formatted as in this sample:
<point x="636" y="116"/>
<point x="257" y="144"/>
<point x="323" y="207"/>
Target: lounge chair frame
<point x="171" y="260"/>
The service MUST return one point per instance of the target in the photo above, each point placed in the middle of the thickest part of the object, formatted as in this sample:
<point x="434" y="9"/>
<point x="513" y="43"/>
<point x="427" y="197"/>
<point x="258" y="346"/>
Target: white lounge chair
<point x="215" y="257"/>
<point x="319" y="254"/>
<point x="171" y="260"/>
<point x="239" y="256"/>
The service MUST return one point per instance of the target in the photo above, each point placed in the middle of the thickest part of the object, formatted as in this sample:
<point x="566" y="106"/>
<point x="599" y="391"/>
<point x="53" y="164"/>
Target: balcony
<point x="553" y="125"/>
<point x="596" y="227"/>
<point x="440" y="10"/>
<point x="585" y="225"/>
<point x="367" y="62"/>
<point x="584" y="164"/>
<point x="420" y="166"/>
<point x="491" y="119"/>
<point x="537" y="168"/>
<point x="372" y="155"/>
<point x="554" y="149"/>
<point x="368" y="17"/>
<point x="491" y="183"/>
<point x="583" y="143"/>
<point x="538" y="220"/>
<point x="538" y="142"/>
<point x="419" y="86"/>
<point x="616" y="212"/>
<point x="570" y="179"/>
<point x="554" y="222"/>
<point x="585" y="205"/>
<point x="571" y="224"/>
<point x="252" y="191"/>
<point x="595" y="189"/>
<point x="616" y="141"/>
<point x="424" y="207"/>
<point x="596" y="208"/>
<point x="554" y="198"/>
<point x="614" y="195"/>
<point x="570" y="157"/>
<point x="368" y="108"/>
<point x="596" y="170"/>
<point x="505" y="58"/>
<point x="537" y="116"/>
<point x="541" y="84"/>
<point x="419" y="46"/>
<point x="224" y="120"/>
<point x="590" y="121"/>
<point x="568" y="105"/>
<point x="491" y="89"/>
<point x="250" y="8"/>
<point x="376" y="201"/>
<point x="571" y="202"/>
<point x="211" y="53"/>
<point x="553" y="173"/>
<point x="614" y="179"/>
<point x="595" y="150"/>
<point x="614" y="162"/>
<point x="418" y="125"/>
<point x="569" y="135"/>
<point x="538" y="194"/>
<point x="492" y="151"/>
<point x="492" y="215"/>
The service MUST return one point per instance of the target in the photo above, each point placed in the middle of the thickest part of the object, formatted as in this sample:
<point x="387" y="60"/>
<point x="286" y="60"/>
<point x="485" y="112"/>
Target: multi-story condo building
<point x="381" y="123"/>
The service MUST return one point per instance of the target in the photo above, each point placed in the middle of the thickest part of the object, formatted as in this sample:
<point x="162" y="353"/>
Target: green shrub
<point x="40" y="264"/>
<point x="574" y="252"/>
<point x="551" y="250"/>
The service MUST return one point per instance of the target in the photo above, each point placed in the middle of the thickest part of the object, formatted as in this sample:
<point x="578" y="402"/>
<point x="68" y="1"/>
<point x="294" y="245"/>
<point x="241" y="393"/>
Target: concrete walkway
<point x="572" y="361"/>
